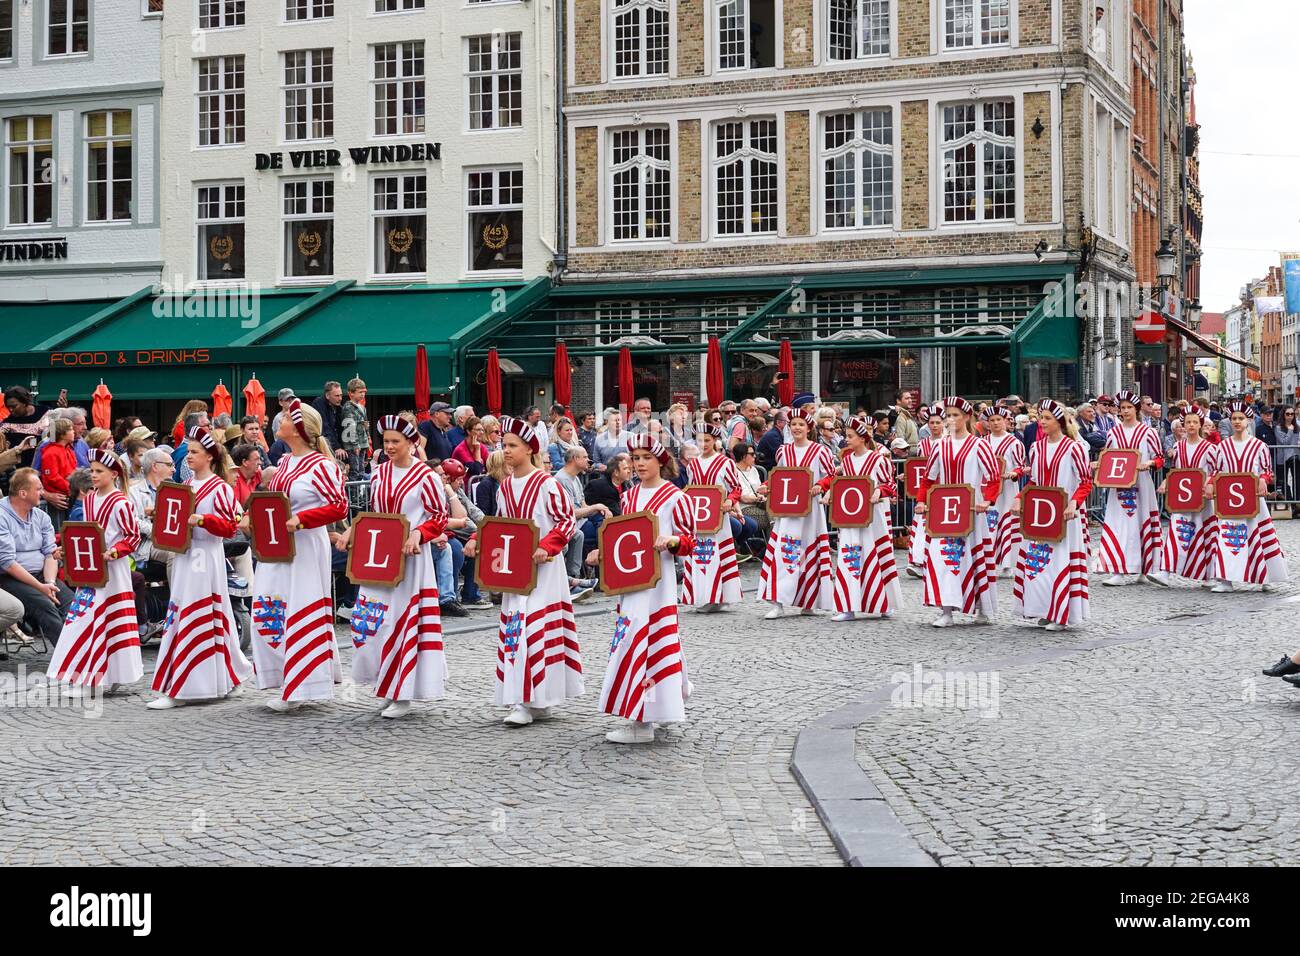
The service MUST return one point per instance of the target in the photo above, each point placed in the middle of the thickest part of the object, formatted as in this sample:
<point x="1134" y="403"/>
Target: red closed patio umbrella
<point x="255" y="399"/>
<point x="714" y="388"/>
<point x="494" y="383"/>
<point x="785" y="387"/>
<point x="563" y="377"/>
<point x="626" y="387"/>
<point x="101" y="408"/>
<point x="222" y="403"/>
<point x="421" y="384"/>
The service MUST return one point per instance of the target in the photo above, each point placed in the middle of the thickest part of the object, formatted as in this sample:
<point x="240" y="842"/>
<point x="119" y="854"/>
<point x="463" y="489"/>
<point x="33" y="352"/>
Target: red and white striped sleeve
<point x="124" y="515"/>
<point x="1083" y="471"/>
<point x="1017" y="457"/>
<point x="683" y="524"/>
<point x="730" y="479"/>
<point x="560" y="510"/>
<point x="327" y="481"/>
<point x="434" y="502"/>
<point x="885" y="476"/>
<point x="220" y="522"/>
<point x="990" y="471"/>
<point x="1263" y="461"/>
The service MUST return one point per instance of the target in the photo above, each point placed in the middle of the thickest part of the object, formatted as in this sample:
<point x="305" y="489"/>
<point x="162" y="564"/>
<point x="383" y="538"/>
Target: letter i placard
<point x="84" y="565"/>
<point x="628" y="560"/>
<point x="376" y="557"/>
<point x="504" y="560"/>
<point x="268" y="515"/>
<point x="1042" y="513"/>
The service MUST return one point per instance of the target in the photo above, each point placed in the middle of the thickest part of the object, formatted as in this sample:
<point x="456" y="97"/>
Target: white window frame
<point x="979" y="10"/>
<point x="495" y="206"/>
<point x="640" y="11"/>
<point x="311" y="62"/>
<point x="326" y="196"/>
<point x="378" y="7"/>
<point x="746" y="153"/>
<point x="312" y="10"/>
<point x="745" y="15"/>
<point x="986" y="315"/>
<point x="8" y="28"/>
<point x="863" y="11"/>
<point x="230" y="101"/>
<point x="405" y="187"/>
<point x="644" y="168"/>
<point x="497" y="82"/>
<point x="229" y="191"/>
<point x="69" y="24"/>
<point x="636" y="318"/>
<point x="29" y="145"/>
<point x="840" y="311"/>
<point x="980" y="137"/>
<point x="230" y="14"/>
<point x="418" y="121"/>
<point x="110" y="141"/>
<point x="146" y="13"/>
<point x="858" y="146"/>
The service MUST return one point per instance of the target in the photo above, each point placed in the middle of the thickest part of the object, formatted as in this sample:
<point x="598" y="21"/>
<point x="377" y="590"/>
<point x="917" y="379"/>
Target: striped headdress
<point x="807" y="412"/>
<point x="650" y="444"/>
<point x="704" y="428"/>
<point x="1055" y="409"/>
<point x="295" y="416"/>
<point x="204" y="437"/>
<point x="524" y="431"/>
<point x="860" y="425"/>
<point x="396" y="423"/>
<point x="108" y="460"/>
<point x="1246" y="408"/>
<point x="956" y="401"/>
<point x="1124" y="395"/>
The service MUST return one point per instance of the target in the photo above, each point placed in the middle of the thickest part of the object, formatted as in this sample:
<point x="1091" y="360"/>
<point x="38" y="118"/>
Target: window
<point x="641" y="183"/>
<point x="221" y="100"/>
<point x="30" y="162"/>
<point x="496" y="219"/>
<point x="745" y="34"/>
<point x="108" y="166"/>
<point x="976" y="23"/>
<point x="958" y="310"/>
<point x="1104" y="164"/>
<point x="616" y="321"/>
<point x="153" y="8"/>
<point x="495" y="81"/>
<point x="308" y="228"/>
<point x="218" y="14"/>
<point x="399" y="88"/>
<point x="220" y="219"/>
<point x="858" y="169"/>
<point x="840" y="311"/>
<point x="68" y="26"/>
<point x="745" y="177"/>
<point x="398" y="6"/>
<point x="858" y="28"/>
<point x="399" y="214"/>
<point x="296" y="10"/>
<point x="6" y="29"/>
<point x="308" y="94"/>
<point x="979" y="162"/>
<point x="640" y="38"/>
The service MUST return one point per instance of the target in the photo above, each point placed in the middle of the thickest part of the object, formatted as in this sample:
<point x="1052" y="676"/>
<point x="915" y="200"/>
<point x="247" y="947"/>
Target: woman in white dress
<point x="916" y="550"/>
<point x="1130" y="530"/>
<point x="1002" y="520"/>
<point x="711" y="578"/>
<point x="1247" y="550"/>
<point x="1188" y="549"/>
<point x="866" y="577"/>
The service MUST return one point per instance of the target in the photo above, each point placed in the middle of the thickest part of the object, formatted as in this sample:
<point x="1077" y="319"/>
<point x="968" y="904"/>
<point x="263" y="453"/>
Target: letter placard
<point x="1236" y="495"/>
<point x="1185" y="491"/>
<point x="851" y="505"/>
<point x="1042" y="513"/>
<point x="268" y="514"/>
<point x="504" y="559"/>
<point x="914" y="470"/>
<point x="376" y="556"/>
<point x="628" y="560"/>
<point x="84" y="565"/>
<point x="171" y="517"/>
<point x="950" y="511"/>
<point x="1118" y="467"/>
<point x="706" y="502"/>
<point x="789" y="492"/>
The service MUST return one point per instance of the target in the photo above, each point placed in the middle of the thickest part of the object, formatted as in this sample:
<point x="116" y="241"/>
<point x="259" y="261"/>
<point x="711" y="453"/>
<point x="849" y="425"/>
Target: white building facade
<point x="377" y="141"/>
<point x="80" y="94"/>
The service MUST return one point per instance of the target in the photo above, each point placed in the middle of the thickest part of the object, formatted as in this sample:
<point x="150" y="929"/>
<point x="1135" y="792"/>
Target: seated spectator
<point x="28" y="569"/>
<point x="754" y="520"/>
<point x="472" y="452"/>
<point x="485" y="490"/>
<point x="246" y="477"/>
<point x="563" y="438"/>
<point x="607" y="489"/>
<point x="453" y="475"/>
<point x="587" y="516"/>
<point x="10" y="458"/>
<point x="133" y="451"/>
<point x="78" y="486"/>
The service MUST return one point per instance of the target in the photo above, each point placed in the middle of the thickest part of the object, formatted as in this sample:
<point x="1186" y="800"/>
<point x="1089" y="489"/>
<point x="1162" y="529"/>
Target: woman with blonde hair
<point x="192" y="407"/>
<point x="100" y="438"/>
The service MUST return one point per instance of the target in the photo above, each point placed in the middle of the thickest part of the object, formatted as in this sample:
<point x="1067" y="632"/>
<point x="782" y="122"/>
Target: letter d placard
<point x="1042" y="513"/>
<point x="628" y="560"/>
<point x="950" y="511"/>
<point x="376" y="557"/>
<point x="83" y="554"/>
<point x="504" y="560"/>
<point x="268" y="515"/>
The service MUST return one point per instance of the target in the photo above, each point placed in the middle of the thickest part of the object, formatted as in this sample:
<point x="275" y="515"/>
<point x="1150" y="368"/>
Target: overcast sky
<point x="1247" y="64"/>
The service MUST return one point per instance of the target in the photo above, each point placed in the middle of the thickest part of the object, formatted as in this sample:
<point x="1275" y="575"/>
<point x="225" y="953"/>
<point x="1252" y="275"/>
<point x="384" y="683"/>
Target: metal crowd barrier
<point x="358" y="496"/>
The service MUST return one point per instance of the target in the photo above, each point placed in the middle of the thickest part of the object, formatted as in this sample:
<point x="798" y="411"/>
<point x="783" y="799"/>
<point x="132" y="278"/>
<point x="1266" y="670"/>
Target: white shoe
<point x="541" y="713"/>
<point x="343" y="613"/>
<point x="162" y="703"/>
<point x="1267" y="586"/>
<point x="842" y="616"/>
<point x="1222" y="587"/>
<point x="633" y="732"/>
<point x="1159" y="577"/>
<point x="981" y="618"/>
<point x="1053" y="626"/>
<point x="236" y="691"/>
<point x="807" y="611"/>
<point x="519" y="716"/>
<point x="773" y="614"/>
<point x="943" y="620"/>
<point x="397" y="708"/>
<point x="688" y="690"/>
<point x="1116" y="581"/>
<point x="912" y="572"/>
<point x="282" y="706"/>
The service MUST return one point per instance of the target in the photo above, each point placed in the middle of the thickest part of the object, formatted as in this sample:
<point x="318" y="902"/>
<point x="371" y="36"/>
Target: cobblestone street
<point x="1162" y="745"/>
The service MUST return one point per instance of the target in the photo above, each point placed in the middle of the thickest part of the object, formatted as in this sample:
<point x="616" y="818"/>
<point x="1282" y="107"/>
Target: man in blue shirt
<point x="437" y="445"/>
<point x="182" y="472"/>
<point x="28" y="568"/>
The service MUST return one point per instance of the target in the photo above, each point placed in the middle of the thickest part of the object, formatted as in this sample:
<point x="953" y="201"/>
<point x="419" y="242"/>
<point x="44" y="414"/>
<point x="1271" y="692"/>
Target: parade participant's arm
<point x="221" y="523"/>
<point x="436" y="507"/>
<point x="560" y="510"/>
<point x="130" y="534"/>
<point x="328" y="481"/>
<point x="683" y="542"/>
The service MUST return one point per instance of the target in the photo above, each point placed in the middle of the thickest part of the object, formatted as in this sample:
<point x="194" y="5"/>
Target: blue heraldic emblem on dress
<point x="1037" y="556"/>
<point x="851" y="555"/>
<point x="953" y="550"/>
<point x="704" y="550"/>
<point x="621" y="624"/>
<point x="992" y="516"/>
<point x="790" y="548"/>
<point x="1185" y="528"/>
<point x="268" y="618"/>
<point x="1234" y="535"/>
<point x="82" y="602"/>
<point x="1128" y="500"/>
<point x="367" y="619"/>
<point x="170" y="621"/>
<point x="511" y="633"/>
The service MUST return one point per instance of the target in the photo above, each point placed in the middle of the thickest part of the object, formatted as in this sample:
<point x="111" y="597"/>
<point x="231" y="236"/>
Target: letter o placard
<point x="851" y="505"/>
<point x="1117" y="467"/>
<point x="268" y="515"/>
<point x="84" y="565"/>
<point x="950" y="511"/>
<point x="789" y="492"/>
<point x="171" y="517"/>
<point x="504" y="562"/>
<point x="628" y="560"/>
<point x="1042" y="513"/>
<point x="1185" y="491"/>
<point x="375" y="557"/>
<point x="1236" y="495"/>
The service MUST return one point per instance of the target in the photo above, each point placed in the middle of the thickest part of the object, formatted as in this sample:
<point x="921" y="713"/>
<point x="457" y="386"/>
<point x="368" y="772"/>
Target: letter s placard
<point x="268" y="515"/>
<point x="376" y="557"/>
<point x="628" y="560"/>
<point x="1185" y="491"/>
<point x="789" y="492"/>
<point x="950" y="511"/>
<point x="504" y="560"/>
<point x="84" y="565"/>
<point x="1042" y="513"/>
<point x="1236" y="495"/>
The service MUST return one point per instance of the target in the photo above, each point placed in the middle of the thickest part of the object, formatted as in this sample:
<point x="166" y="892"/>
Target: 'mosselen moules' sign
<point x="360" y="155"/>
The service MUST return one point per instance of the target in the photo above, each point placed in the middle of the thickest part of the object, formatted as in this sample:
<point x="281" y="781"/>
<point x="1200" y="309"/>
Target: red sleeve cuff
<point x="735" y="494"/>
<point x="685" y="544"/>
<point x="218" y="527"/>
<point x="825" y="483"/>
<point x="555" y="542"/>
<point x="319" y="517"/>
<point x="431" y="529"/>
<point x="123" y="548"/>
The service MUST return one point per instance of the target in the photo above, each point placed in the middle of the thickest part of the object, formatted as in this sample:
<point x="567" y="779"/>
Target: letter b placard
<point x="706" y="501"/>
<point x="376" y="556"/>
<point x="268" y="515"/>
<point x="504" y="559"/>
<point x="628" y="560"/>
<point x="789" y="492"/>
<point x="84" y="565"/>
<point x="1042" y="513"/>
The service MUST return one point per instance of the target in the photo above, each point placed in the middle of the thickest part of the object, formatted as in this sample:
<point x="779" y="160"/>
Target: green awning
<point x="1048" y="334"/>
<point x="27" y="323"/>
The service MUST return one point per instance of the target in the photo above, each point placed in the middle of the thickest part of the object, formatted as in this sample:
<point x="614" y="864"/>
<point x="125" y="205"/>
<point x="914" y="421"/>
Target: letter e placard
<point x="1118" y="467"/>
<point x="950" y="511"/>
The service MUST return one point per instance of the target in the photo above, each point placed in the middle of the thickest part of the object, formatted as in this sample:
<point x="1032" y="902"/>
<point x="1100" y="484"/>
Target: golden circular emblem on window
<point x="309" y="243"/>
<point x="221" y="247"/>
<point x="399" y="240"/>
<point x="495" y="237"/>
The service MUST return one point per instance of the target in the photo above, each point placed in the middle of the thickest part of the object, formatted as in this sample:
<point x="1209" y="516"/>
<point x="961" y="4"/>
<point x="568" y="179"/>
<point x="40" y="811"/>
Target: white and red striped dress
<point x="866" y="577"/>
<point x="1248" y="551"/>
<point x="1130" y="531"/>
<point x="100" y="640"/>
<point x="645" y="677"/>
<point x="199" y="656"/>
<point x="293" y="613"/>
<point x="916" y="552"/>
<point x="711" y="575"/>
<point x="797" y="564"/>
<point x="1188" y="548"/>
<point x="1010" y="451"/>
<point x="397" y="631"/>
<point x="1051" y="580"/>
<point x="538" y="660"/>
<point x="959" y="571"/>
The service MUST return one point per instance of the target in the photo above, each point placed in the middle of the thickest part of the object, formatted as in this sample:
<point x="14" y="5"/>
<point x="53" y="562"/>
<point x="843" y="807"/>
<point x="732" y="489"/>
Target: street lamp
<point x="1194" y="313"/>
<point x="1166" y="262"/>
